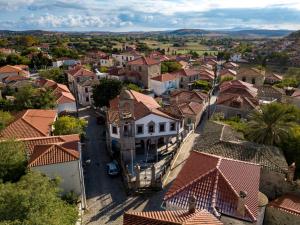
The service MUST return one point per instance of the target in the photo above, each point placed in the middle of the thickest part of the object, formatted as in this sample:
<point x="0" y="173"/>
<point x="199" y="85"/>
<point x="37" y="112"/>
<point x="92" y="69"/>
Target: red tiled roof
<point x="14" y="69"/>
<point x="186" y="72"/>
<point x="206" y="74"/>
<point x="80" y="71"/>
<point x="188" y="96"/>
<point x="289" y="203"/>
<point x="30" y="123"/>
<point x="51" y="154"/>
<point x="65" y="97"/>
<point x="191" y="108"/>
<point x="216" y="181"/>
<point x="31" y="142"/>
<point x="14" y="78"/>
<point x="239" y="87"/>
<point x="144" y="61"/>
<point x="224" y="72"/>
<point x="178" y="217"/>
<point x="296" y="93"/>
<point x="143" y="105"/>
<point x="222" y="99"/>
<point x="165" y="77"/>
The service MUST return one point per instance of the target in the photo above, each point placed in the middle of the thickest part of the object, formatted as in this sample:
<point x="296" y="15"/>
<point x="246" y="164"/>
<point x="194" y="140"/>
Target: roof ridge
<point x="24" y="120"/>
<point x="190" y="183"/>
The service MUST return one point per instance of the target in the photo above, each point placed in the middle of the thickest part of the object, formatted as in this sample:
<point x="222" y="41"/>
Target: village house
<point x="268" y="93"/>
<point x="81" y="81"/>
<point x="187" y="77"/>
<point x="179" y="217"/>
<point x="106" y="61"/>
<point x="217" y="185"/>
<point x="231" y="65"/>
<point x="251" y="75"/>
<point x="272" y="78"/>
<point x="191" y="104"/>
<point x="207" y="75"/>
<point x="30" y="123"/>
<point x="284" y="210"/>
<point x="141" y="70"/>
<point x="237" y="99"/>
<point x="137" y="125"/>
<point x="121" y="59"/>
<point x="164" y="83"/>
<point x="65" y="101"/>
<point x="16" y="82"/>
<point x="12" y="71"/>
<point x="64" y="61"/>
<point x="227" y="73"/>
<point x="57" y="156"/>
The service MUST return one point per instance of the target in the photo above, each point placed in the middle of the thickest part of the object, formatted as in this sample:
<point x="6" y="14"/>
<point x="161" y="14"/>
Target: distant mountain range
<point x="249" y="33"/>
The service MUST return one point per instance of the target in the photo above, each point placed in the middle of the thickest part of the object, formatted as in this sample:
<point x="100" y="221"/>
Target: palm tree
<point x="271" y="125"/>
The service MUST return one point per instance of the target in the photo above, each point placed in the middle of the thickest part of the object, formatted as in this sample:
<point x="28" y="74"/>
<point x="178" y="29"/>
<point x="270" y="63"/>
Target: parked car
<point x="112" y="168"/>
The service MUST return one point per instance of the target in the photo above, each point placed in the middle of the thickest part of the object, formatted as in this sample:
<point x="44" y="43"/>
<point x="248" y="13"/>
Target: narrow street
<point x="106" y="197"/>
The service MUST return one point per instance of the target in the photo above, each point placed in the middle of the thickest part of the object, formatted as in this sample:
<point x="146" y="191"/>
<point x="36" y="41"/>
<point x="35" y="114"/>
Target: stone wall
<point x="275" y="216"/>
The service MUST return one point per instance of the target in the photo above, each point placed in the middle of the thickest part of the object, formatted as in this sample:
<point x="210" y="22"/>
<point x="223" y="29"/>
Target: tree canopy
<point x="5" y="118"/>
<point x="105" y="91"/>
<point x="55" y="74"/>
<point x="170" y="66"/>
<point x="33" y="98"/>
<point x="271" y="125"/>
<point x="12" y="160"/>
<point x="69" y="125"/>
<point x="202" y="85"/>
<point x="34" y="200"/>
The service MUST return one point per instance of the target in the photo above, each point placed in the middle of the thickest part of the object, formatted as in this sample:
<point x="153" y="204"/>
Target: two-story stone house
<point x="141" y="70"/>
<point x="251" y="75"/>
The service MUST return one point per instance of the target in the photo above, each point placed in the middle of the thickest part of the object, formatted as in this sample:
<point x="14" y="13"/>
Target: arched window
<point x="151" y="127"/>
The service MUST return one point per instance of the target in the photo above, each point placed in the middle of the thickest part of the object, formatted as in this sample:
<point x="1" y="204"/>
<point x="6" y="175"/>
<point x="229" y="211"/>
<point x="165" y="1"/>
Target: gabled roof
<point x="224" y="72"/>
<point x="30" y="143"/>
<point x="216" y="182"/>
<point x="165" y="77"/>
<point x="191" y="108"/>
<point x="274" y="76"/>
<point x="14" y="69"/>
<point x="232" y="98"/>
<point x="296" y="93"/>
<point x="253" y="72"/>
<point x="288" y="203"/>
<point x="14" y="78"/>
<point x="186" y="72"/>
<point x="143" y="106"/>
<point x="51" y="154"/>
<point x="79" y="71"/>
<point x="179" y="217"/>
<point x="206" y="74"/>
<point x="30" y="123"/>
<point x="188" y="96"/>
<point x="144" y="61"/>
<point x="239" y="87"/>
<point x="64" y="97"/>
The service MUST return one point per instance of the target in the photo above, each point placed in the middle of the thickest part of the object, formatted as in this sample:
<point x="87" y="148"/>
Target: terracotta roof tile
<point x="186" y="72"/>
<point x="245" y="71"/>
<point x="64" y="97"/>
<point x="30" y="143"/>
<point x="289" y="203"/>
<point x="165" y="77"/>
<point x="14" y="69"/>
<point x="51" y="154"/>
<point x="215" y="180"/>
<point x="228" y="99"/>
<point x="144" y="61"/>
<point x="30" y="123"/>
<point x="239" y="87"/>
<point x="179" y="217"/>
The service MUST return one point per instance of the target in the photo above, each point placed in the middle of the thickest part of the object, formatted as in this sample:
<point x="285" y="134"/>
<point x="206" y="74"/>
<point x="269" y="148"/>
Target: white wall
<point x="157" y="120"/>
<point x="114" y="135"/>
<point x="161" y="87"/>
<point x="68" y="172"/>
<point x="69" y="107"/>
<point x="57" y="63"/>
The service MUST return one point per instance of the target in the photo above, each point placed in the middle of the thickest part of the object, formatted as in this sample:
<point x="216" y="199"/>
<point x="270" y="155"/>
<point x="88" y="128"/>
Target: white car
<point x="112" y="168"/>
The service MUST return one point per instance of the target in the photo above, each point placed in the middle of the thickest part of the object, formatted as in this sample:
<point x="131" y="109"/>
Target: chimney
<point x="241" y="203"/>
<point x="291" y="172"/>
<point x="192" y="204"/>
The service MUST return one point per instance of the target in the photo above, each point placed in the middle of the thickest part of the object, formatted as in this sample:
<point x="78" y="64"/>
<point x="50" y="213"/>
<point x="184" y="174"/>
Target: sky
<point x="148" y="15"/>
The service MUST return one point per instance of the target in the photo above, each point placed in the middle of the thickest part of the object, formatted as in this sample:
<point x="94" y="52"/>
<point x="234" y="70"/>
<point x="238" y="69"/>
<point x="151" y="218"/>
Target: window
<point x="87" y="99"/>
<point x="162" y="127"/>
<point x="253" y="80"/>
<point x="244" y="79"/>
<point x="172" y="126"/>
<point x="140" y="69"/>
<point x="140" y="129"/>
<point x="78" y="79"/>
<point x="86" y="90"/>
<point x="151" y="128"/>
<point x="114" y="130"/>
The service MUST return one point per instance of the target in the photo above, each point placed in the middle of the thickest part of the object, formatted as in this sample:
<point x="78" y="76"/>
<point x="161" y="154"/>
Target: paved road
<point x="106" y="198"/>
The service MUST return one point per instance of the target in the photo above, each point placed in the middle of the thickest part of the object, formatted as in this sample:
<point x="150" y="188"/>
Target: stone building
<point x="141" y="70"/>
<point x="251" y="75"/>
